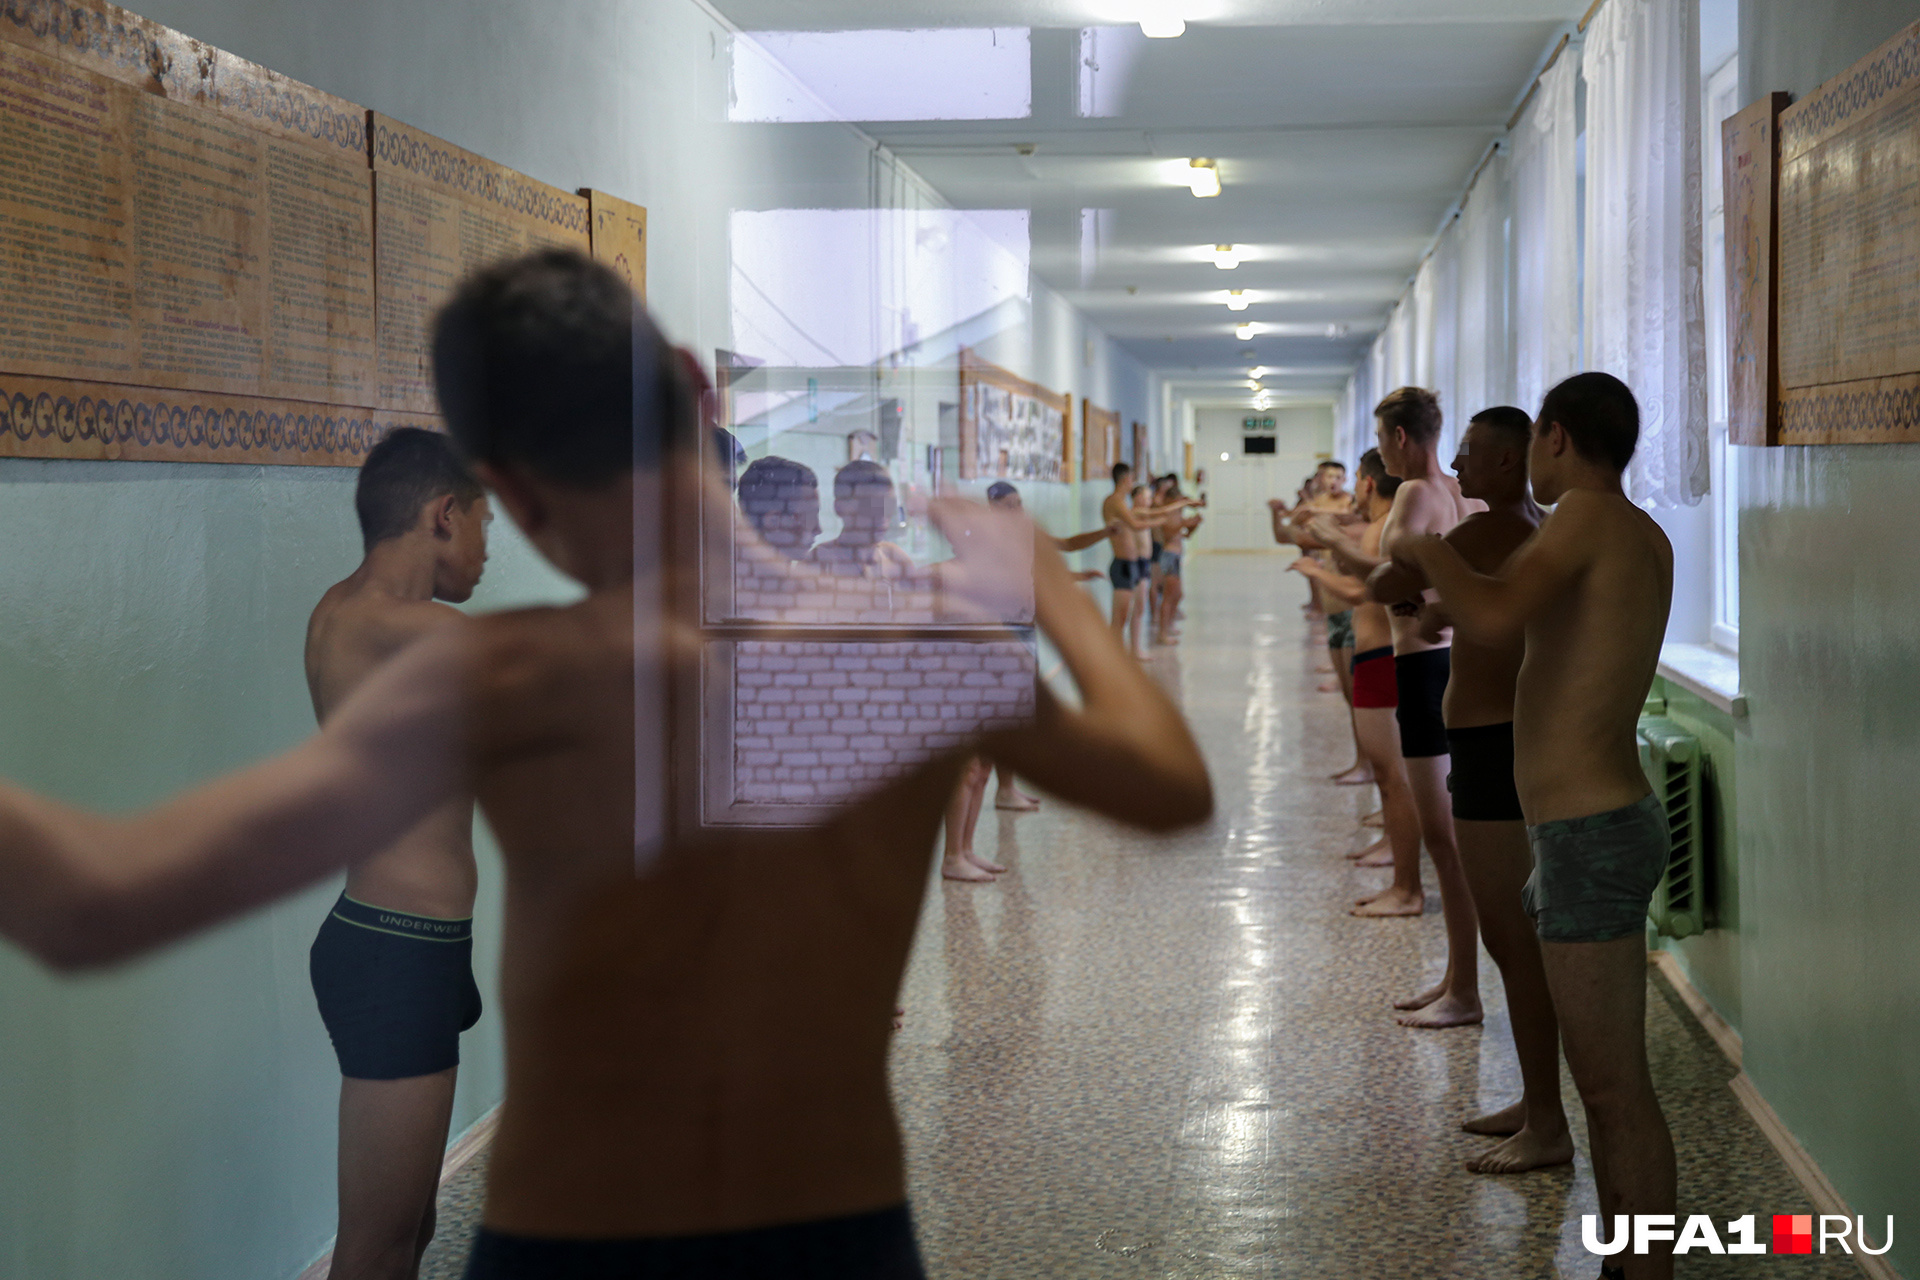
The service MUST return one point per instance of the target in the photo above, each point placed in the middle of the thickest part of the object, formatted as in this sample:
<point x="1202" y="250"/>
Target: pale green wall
<point x="1828" y="804"/>
<point x="175" y="1117"/>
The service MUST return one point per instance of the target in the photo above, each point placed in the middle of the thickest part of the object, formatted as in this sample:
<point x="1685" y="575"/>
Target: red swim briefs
<point x="1373" y="680"/>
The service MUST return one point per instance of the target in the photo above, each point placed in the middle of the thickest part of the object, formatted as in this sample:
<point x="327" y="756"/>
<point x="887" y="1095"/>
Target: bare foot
<point x="1357" y="776"/>
<point x="963" y="869"/>
<point x="1391" y="902"/>
<point x="1377" y="854"/>
<point x="1324" y="669"/>
<point x="1377" y="819"/>
<point x="1447" y="1011"/>
<point x="993" y="868"/>
<point x="1012" y="798"/>
<point x="1327" y="686"/>
<point x="1524" y="1151"/>
<point x="1422" y="1000"/>
<point x="1503" y="1123"/>
<point x="899" y="1016"/>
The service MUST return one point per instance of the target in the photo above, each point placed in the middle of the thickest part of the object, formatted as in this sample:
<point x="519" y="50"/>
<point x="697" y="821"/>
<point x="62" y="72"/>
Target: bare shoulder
<point x="1486" y="539"/>
<point x="538" y="675"/>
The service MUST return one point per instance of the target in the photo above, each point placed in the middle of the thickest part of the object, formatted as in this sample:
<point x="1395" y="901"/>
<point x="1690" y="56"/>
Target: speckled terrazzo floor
<point x="1147" y="1057"/>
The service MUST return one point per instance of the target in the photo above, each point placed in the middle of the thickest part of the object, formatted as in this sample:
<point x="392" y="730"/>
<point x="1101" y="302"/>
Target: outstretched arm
<point x="81" y="890"/>
<point x="1348" y="590"/>
<point x="1495" y="611"/>
<point x="1126" y="752"/>
<point x="1081" y="541"/>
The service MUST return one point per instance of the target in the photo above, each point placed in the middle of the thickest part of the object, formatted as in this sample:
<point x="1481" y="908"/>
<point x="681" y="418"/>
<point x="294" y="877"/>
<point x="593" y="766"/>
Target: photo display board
<point x="1849" y="254"/>
<point x="1750" y="150"/>
<point x="1099" y="441"/>
<point x="1010" y="428"/>
<point x="205" y="261"/>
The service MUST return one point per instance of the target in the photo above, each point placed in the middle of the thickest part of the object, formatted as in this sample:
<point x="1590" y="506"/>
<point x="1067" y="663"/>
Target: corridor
<point x="1145" y="1057"/>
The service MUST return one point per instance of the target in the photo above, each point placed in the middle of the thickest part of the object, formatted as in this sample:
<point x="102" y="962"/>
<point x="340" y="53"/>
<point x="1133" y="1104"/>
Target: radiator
<point x="1673" y="762"/>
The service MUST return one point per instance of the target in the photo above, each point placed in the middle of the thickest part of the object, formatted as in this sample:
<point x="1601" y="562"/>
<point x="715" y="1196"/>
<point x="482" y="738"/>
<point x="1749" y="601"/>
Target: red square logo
<point x="1793" y="1233"/>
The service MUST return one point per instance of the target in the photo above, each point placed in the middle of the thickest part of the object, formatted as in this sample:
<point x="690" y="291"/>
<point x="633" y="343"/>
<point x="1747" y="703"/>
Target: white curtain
<point x="1645" y="322"/>
<point x="1482" y="363"/>
<point x="1400" y="333"/>
<point x="1440" y="327"/>
<point x="1546" y="267"/>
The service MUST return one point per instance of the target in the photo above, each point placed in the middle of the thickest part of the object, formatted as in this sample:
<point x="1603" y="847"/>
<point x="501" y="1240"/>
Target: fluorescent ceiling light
<point x="1258" y="371"/>
<point x="1225" y="256"/>
<point x="1236" y="300"/>
<point x="1244" y="332"/>
<point x="1223" y="457"/>
<point x="1162" y="20"/>
<point x="1204" y="178"/>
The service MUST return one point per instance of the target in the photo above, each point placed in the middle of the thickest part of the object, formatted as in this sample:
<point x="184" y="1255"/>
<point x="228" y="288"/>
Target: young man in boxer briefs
<point x="392" y="966"/>
<point x="1589" y="594"/>
<point x="1375" y="698"/>
<point x="1130" y="573"/>
<point x="1492" y="467"/>
<point x="696" y="1054"/>
<point x="1407" y="425"/>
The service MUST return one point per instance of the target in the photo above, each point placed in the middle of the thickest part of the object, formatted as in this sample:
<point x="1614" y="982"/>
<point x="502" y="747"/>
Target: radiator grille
<point x="1672" y="760"/>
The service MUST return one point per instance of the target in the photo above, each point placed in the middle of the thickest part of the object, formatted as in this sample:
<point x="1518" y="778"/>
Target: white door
<point x="1237" y="515"/>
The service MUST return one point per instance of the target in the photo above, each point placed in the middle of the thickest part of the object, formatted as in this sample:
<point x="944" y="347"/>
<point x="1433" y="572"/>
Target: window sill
<point x="1711" y="674"/>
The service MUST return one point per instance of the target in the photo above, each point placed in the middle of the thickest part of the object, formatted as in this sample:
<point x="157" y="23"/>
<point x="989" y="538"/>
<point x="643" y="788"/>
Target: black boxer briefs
<point x="395" y="989"/>
<point x="1482" y="777"/>
<point x="1422" y="678"/>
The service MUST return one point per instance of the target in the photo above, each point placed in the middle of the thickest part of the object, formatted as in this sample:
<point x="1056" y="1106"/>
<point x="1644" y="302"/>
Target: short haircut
<point x="1600" y="415"/>
<point x="1375" y="468"/>
<point x="1514" y="426"/>
<point x="548" y="361"/>
<point x="1330" y="465"/>
<point x="403" y="473"/>
<point x="1415" y="410"/>
<point x="1121" y="469"/>
<point x="1000" y="489"/>
<point x="865" y="473"/>
<point x="771" y="485"/>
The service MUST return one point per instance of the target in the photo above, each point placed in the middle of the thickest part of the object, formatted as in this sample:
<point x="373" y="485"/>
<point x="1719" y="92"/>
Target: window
<point x="1722" y="99"/>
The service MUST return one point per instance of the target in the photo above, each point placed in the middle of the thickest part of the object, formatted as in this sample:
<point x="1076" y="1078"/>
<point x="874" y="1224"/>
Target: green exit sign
<point x="1258" y="424"/>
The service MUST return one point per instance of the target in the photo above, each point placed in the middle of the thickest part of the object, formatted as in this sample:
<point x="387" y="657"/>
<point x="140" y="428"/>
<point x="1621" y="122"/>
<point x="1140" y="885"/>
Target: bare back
<point x="1422" y="507"/>
<point x="1480" y="688"/>
<point x="354" y="629"/>
<point x="1590" y="659"/>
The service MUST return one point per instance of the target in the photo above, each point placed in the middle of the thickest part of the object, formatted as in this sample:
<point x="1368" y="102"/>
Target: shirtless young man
<point x="697" y="1054"/>
<point x="1132" y="580"/>
<point x="1492" y="467"/>
<point x="1331" y="498"/>
<point x="1173" y="588"/>
<point x="1589" y="595"/>
<point x="1407" y="425"/>
<point x="1375" y="697"/>
<point x="392" y="968"/>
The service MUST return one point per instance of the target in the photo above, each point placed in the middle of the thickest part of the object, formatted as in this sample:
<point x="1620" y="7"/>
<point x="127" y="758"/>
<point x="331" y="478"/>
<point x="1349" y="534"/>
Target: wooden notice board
<point x="1141" y="462"/>
<point x="205" y="261"/>
<point x="620" y="237"/>
<point x="1099" y="441"/>
<point x="1849" y="254"/>
<point x="1010" y="428"/>
<point x="1751" y="153"/>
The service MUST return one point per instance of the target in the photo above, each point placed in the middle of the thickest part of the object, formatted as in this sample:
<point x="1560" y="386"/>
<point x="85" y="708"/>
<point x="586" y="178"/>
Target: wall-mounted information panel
<point x="1099" y="441"/>
<point x="204" y="261"/>
<point x="1846" y="274"/>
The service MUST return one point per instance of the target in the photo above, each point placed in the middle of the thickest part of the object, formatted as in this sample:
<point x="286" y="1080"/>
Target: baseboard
<point x="459" y="1156"/>
<point x="1710" y="1021"/>
<point x="1806" y="1171"/>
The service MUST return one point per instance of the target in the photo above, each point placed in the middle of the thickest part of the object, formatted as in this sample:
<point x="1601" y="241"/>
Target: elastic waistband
<point x="1443" y="654"/>
<point x="400" y="923"/>
<point x="1645" y="809"/>
<point x="1384" y="651"/>
<point x="1479" y="733"/>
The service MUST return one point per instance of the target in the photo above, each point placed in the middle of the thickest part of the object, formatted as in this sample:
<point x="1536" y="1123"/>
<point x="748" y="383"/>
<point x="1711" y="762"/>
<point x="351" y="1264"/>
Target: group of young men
<point x="1496" y="659"/>
<point x="1148" y="525"/>
<point x="696" y="1049"/>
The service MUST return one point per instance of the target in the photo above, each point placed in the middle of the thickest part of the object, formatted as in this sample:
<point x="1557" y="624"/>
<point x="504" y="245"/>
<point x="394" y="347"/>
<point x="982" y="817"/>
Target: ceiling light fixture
<point x="1236" y="299"/>
<point x="1204" y="177"/>
<point x="1244" y="332"/>
<point x="1225" y="256"/>
<point x="1162" y="20"/>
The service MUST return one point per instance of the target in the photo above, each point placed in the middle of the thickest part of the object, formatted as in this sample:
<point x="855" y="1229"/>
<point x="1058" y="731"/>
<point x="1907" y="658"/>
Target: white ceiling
<point x="1344" y="129"/>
